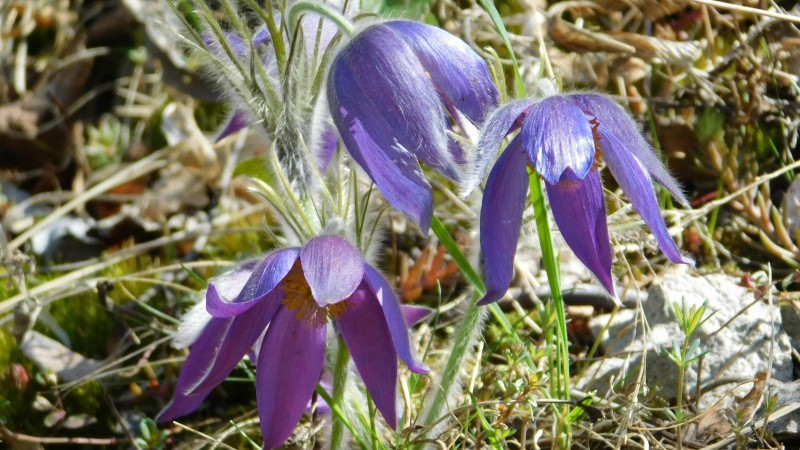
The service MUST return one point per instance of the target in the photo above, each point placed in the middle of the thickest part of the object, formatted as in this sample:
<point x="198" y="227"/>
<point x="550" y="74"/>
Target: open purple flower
<point x="562" y="137"/>
<point x="281" y="314"/>
<point x="394" y="91"/>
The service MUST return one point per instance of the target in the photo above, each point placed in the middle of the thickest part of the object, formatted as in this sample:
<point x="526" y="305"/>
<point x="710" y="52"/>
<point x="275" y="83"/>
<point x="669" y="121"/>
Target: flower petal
<point x="498" y="125"/>
<point x="266" y="275"/>
<point x="223" y="344"/>
<point x="632" y="177"/>
<point x="415" y="314"/>
<point x="371" y="144"/>
<point x="395" y="318"/>
<point x="194" y="321"/>
<point x="580" y="213"/>
<point x="332" y="267"/>
<point x="289" y="366"/>
<point x="557" y="136"/>
<point x="181" y="405"/>
<point x="236" y="121"/>
<point x="198" y="362"/>
<point x="369" y="340"/>
<point x="501" y="219"/>
<point x="459" y="74"/>
<point x="614" y="119"/>
<point x="377" y="77"/>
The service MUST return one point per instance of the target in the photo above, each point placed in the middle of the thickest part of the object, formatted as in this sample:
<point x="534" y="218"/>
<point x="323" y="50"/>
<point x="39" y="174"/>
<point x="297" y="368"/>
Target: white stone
<point x="740" y="337"/>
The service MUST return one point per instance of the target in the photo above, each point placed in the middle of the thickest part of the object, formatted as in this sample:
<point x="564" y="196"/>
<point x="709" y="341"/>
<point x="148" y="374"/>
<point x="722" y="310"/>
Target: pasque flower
<point x="394" y="92"/>
<point x="563" y="137"/>
<point x="281" y="314"/>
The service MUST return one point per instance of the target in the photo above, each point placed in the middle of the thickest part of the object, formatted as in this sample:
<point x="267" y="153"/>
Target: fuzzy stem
<point x="466" y="331"/>
<point x="340" y="372"/>
<point x="323" y="10"/>
<point x="553" y="278"/>
<point x="463" y="342"/>
<point x="679" y="400"/>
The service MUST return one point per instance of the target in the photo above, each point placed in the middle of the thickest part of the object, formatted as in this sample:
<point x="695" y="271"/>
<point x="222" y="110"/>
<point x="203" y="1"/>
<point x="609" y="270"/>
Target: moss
<point x="13" y="400"/>
<point x="87" y="323"/>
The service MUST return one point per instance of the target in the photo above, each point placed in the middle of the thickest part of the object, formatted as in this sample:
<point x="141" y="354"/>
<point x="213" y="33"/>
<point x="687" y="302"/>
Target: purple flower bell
<point x="394" y="92"/>
<point x="562" y="137"/>
<point x="281" y="314"/>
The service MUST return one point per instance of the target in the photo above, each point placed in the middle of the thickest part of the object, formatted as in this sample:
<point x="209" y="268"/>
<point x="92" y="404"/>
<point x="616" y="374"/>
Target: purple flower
<point x="282" y="313"/>
<point x="563" y="137"/>
<point x="394" y="91"/>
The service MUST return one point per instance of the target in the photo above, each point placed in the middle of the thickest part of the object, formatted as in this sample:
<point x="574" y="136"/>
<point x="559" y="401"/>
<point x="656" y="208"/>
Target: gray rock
<point x="739" y="337"/>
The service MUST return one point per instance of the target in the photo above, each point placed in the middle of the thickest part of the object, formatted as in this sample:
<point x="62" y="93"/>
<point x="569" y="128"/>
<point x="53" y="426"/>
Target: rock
<point x="788" y="396"/>
<point x="740" y="338"/>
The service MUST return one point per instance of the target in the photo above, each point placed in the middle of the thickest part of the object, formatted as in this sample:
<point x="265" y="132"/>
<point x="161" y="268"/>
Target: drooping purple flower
<point x="394" y="92"/>
<point x="562" y="137"/>
<point x="281" y="314"/>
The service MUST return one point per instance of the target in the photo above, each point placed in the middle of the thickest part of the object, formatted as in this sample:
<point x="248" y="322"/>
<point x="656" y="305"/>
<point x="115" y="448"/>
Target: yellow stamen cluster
<point x="298" y="298"/>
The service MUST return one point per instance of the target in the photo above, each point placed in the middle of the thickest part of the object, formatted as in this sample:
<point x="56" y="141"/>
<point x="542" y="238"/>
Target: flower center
<point x="298" y="299"/>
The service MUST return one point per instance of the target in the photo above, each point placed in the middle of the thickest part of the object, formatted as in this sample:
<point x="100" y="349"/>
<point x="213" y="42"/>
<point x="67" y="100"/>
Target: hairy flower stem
<point x="340" y="372"/>
<point x="559" y="372"/>
<point x="466" y="331"/>
<point x="679" y="400"/>
<point x="323" y="10"/>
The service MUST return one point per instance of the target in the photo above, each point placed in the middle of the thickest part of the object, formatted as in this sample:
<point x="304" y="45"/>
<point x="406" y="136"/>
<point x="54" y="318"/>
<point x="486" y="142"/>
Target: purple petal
<point x="617" y="121"/>
<point x="378" y="78"/>
<point x="326" y="383"/>
<point x="236" y="121"/>
<point x="632" y="177"/>
<point x="501" y="219"/>
<point x="580" y="213"/>
<point x="415" y="314"/>
<point x="395" y="319"/>
<point x="266" y="275"/>
<point x="557" y="136"/>
<point x="318" y="33"/>
<point x="326" y="147"/>
<point x="460" y="75"/>
<point x="197" y="363"/>
<point x="261" y="36"/>
<point x="181" y="405"/>
<point x="215" y="47"/>
<point x="369" y="340"/>
<point x="332" y="267"/>
<point x="498" y="125"/>
<point x="289" y="366"/>
<point x="371" y="144"/>
<point x="236" y="43"/>
<point x="222" y="345"/>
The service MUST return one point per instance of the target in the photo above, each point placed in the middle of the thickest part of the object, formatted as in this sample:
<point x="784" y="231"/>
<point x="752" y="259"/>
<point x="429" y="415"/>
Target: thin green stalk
<point x="469" y="324"/>
<point x="554" y="280"/>
<point x="460" y="346"/>
<point x="323" y="10"/>
<point x="340" y="372"/>
<point x="679" y="400"/>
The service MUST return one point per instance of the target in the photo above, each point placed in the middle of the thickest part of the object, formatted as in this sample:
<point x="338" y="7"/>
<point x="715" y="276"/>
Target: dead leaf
<point x="51" y="355"/>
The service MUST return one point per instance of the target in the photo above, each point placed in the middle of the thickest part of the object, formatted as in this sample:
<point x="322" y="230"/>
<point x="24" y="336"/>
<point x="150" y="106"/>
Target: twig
<point x="747" y="9"/>
<point x="12" y="437"/>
